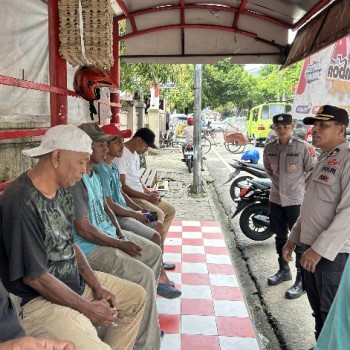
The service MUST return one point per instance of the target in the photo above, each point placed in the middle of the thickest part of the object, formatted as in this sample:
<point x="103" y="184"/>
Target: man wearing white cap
<point x="39" y="261"/>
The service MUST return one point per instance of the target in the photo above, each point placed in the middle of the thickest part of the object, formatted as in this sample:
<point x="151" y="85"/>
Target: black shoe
<point x="295" y="291"/>
<point x="279" y="277"/>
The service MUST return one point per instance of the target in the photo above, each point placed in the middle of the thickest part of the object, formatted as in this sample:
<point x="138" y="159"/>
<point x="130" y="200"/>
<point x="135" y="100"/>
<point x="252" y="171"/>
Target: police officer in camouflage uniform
<point x="323" y="228"/>
<point x="287" y="161"/>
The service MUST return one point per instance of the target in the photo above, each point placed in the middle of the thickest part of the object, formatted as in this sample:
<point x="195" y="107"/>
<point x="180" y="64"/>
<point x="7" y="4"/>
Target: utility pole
<point x="197" y="187"/>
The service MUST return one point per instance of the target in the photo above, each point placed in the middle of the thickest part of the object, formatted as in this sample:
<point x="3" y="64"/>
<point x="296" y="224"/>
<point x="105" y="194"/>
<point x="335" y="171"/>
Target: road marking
<point x="227" y="165"/>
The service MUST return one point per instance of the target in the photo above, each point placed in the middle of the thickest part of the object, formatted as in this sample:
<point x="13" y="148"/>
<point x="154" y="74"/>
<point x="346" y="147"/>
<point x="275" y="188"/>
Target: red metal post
<point x="115" y="72"/>
<point x="58" y="68"/>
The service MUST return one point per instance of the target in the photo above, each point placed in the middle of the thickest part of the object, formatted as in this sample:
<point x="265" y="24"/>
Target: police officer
<point x="323" y="228"/>
<point x="287" y="161"/>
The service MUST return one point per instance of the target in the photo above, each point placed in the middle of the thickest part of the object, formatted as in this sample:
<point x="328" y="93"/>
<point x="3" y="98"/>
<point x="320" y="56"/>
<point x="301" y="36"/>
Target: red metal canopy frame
<point x="183" y="6"/>
<point x="57" y="66"/>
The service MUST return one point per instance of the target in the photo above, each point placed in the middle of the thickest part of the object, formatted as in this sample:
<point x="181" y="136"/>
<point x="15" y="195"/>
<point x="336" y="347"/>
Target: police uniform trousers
<point x="322" y="285"/>
<point x="282" y="220"/>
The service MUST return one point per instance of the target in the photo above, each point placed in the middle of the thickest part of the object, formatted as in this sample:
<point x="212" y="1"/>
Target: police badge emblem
<point x="292" y="167"/>
<point x="333" y="162"/>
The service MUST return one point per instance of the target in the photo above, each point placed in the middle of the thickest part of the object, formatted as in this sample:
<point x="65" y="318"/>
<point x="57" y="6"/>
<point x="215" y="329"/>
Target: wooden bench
<point x="149" y="176"/>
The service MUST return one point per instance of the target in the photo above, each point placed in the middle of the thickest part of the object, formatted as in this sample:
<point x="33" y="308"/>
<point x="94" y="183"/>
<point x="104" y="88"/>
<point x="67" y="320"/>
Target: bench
<point x="149" y="177"/>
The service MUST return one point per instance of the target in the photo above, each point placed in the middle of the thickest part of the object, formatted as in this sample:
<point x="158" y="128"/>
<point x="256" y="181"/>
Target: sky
<point x="253" y="68"/>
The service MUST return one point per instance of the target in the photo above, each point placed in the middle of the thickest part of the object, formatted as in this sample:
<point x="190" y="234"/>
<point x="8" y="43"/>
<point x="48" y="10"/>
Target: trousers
<point x="42" y="318"/>
<point x="322" y="285"/>
<point x="143" y="270"/>
<point x="282" y="220"/>
<point x="165" y="211"/>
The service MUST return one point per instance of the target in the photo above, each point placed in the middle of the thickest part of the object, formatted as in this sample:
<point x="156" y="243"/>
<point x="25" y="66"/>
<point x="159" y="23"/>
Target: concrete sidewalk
<point x="212" y="313"/>
<point x="171" y="168"/>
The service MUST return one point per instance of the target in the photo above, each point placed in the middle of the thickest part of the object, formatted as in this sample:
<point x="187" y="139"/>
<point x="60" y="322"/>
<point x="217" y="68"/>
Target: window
<point x="265" y="112"/>
<point x="255" y="114"/>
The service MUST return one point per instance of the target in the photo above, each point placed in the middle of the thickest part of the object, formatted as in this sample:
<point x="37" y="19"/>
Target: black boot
<point x="283" y="274"/>
<point x="297" y="289"/>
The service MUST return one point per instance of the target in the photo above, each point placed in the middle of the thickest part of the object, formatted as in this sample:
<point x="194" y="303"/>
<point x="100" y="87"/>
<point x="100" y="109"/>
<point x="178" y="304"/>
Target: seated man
<point x="39" y="261"/>
<point x="129" y="215"/>
<point x="107" y="247"/>
<point x="12" y="335"/>
<point x="130" y="177"/>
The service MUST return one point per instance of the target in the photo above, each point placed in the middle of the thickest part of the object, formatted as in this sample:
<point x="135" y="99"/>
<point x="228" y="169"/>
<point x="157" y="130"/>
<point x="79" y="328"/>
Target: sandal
<point x="169" y="266"/>
<point x="167" y="291"/>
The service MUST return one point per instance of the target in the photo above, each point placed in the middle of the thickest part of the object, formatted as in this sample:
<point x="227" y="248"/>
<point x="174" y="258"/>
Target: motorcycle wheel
<point x="253" y="232"/>
<point x="189" y="164"/>
<point x="237" y="185"/>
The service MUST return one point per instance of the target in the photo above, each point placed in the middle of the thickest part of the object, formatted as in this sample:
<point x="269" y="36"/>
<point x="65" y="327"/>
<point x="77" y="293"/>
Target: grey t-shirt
<point x="36" y="238"/>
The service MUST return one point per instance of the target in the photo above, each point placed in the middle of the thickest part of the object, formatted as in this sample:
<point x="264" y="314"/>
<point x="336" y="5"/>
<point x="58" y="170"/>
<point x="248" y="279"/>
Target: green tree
<point x="137" y="77"/>
<point x="226" y="86"/>
<point x="274" y="83"/>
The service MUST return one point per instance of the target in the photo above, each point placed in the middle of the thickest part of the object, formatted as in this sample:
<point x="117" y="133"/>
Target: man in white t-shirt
<point x="130" y="177"/>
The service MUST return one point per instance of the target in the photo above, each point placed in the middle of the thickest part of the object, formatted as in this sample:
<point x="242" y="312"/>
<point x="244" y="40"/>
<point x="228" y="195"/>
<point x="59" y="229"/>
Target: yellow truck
<point x="260" y="119"/>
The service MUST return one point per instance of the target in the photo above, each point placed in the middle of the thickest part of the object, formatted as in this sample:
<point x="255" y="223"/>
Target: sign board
<point x="167" y="85"/>
<point x="324" y="79"/>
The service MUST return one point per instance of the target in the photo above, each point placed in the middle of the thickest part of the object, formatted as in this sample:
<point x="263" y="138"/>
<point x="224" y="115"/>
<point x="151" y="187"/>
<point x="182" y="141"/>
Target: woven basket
<point x="95" y="18"/>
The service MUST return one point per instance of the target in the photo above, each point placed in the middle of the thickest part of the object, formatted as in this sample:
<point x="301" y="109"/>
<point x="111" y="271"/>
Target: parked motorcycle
<point x="188" y="156"/>
<point x="166" y="139"/>
<point x="253" y="204"/>
<point x="239" y="182"/>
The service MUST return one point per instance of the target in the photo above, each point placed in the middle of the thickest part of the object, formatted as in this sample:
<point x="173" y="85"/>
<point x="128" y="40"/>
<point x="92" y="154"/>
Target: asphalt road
<point x="281" y="323"/>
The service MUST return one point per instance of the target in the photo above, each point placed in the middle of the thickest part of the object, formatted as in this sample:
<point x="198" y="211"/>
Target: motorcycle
<point x="188" y="156"/>
<point x="240" y="182"/>
<point x="166" y="139"/>
<point x="253" y="204"/>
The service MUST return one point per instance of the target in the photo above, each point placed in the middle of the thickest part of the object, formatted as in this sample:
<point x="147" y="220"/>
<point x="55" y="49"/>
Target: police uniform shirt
<point x="287" y="166"/>
<point x="324" y="218"/>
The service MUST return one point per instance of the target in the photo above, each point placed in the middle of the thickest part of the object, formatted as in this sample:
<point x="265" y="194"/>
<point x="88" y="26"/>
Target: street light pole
<point x="197" y="187"/>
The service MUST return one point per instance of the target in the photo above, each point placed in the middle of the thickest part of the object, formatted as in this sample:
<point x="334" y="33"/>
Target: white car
<point x="217" y="125"/>
<point x="178" y="118"/>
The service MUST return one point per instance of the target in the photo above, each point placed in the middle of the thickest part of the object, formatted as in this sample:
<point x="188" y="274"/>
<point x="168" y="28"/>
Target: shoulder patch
<point x="311" y="151"/>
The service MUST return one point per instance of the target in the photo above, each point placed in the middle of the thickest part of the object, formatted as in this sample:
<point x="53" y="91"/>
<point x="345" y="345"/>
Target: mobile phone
<point x="154" y="216"/>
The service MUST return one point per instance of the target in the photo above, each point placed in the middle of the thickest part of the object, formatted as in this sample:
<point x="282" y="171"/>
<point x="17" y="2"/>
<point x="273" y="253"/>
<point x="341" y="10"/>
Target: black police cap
<point x="282" y="118"/>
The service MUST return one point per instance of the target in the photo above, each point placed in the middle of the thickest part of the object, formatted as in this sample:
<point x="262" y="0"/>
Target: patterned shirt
<point x="36" y="238"/>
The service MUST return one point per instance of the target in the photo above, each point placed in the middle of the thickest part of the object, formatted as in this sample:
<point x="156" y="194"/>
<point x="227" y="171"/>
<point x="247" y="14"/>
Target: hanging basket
<point x="86" y="32"/>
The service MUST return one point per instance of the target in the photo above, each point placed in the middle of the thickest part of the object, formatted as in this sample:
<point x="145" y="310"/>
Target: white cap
<point x="65" y="137"/>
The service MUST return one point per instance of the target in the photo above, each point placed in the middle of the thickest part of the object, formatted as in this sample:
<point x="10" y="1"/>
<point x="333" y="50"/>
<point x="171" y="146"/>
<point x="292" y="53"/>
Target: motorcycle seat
<point x="261" y="183"/>
<point x="251" y="165"/>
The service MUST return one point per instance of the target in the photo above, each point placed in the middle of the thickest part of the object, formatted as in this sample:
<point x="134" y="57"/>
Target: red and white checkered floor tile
<point x="211" y="313"/>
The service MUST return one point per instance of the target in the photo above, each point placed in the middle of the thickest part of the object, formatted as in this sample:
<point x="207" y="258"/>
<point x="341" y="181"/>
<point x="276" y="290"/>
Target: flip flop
<point x="166" y="291"/>
<point x="169" y="266"/>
